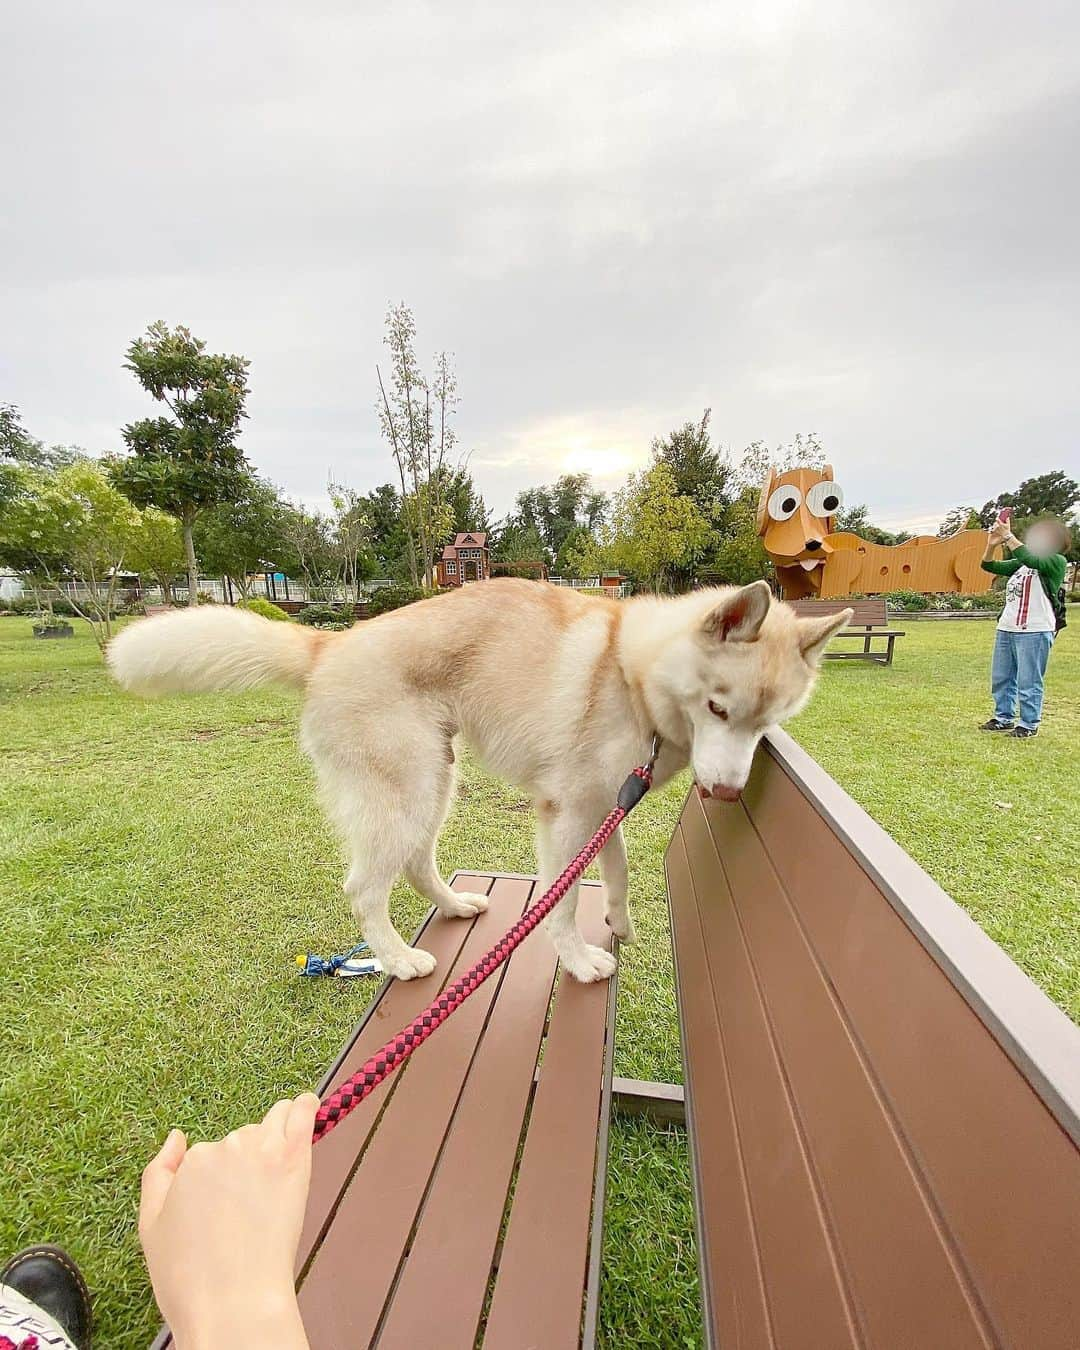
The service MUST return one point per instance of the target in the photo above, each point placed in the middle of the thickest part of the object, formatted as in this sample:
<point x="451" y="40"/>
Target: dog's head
<point x="796" y="514"/>
<point x="743" y="664"/>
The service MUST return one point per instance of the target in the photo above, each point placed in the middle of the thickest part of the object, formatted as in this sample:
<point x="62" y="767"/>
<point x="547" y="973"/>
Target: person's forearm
<point x="990" y="550"/>
<point x="273" y="1322"/>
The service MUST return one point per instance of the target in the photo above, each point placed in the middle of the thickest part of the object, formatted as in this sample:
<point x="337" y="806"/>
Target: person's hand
<point x="998" y="532"/>
<point x="220" y="1223"/>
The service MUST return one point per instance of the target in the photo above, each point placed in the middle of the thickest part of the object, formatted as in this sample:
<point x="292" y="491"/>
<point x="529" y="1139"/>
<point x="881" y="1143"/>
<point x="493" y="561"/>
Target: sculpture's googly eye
<point x="784" y="502"/>
<point x="824" y="499"/>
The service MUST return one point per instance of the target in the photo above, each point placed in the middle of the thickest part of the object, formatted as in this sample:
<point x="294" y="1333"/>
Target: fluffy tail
<point x="190" y="651"/>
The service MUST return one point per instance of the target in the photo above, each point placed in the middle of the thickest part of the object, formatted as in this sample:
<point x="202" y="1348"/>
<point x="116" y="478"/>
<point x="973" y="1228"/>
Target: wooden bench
<point x="869" y="622"/>
<point x="461" y="1203"/>
<point x="883" y="1110"/>
<point x="883" y="1114"/>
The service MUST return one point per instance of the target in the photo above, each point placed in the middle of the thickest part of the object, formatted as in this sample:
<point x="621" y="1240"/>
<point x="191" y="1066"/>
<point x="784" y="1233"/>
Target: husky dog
<point x="560" y="693"/>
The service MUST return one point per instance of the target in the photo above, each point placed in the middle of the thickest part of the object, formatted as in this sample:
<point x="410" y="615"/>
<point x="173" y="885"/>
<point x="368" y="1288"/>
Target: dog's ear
<point x="739" y="616"/>
<point x="814" y="634"/>
<point x="763" y="500"/>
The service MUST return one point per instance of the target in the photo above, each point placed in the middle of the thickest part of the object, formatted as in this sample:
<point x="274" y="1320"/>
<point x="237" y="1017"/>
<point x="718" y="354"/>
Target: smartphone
<point x="1005" y="515"/>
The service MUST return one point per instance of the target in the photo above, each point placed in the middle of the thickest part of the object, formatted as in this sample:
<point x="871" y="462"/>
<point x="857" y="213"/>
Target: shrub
<point x="992" y="600"/>
<point x="266" y="609"/>
<point x="387" y="598"/>
<point x="907" y="600"/>
<point x="45" y="620"/>
<point x="327" y="616"/>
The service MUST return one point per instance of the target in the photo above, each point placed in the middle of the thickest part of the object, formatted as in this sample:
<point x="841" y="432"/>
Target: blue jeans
<point x="1016" y="675"/>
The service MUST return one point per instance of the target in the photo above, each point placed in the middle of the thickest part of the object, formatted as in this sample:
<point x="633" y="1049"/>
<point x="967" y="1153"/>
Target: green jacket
<point x="1051" y="570"/>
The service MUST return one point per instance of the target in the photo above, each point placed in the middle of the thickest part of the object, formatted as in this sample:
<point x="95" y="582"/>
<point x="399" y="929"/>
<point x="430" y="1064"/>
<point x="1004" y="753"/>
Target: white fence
<point x="592" y="585"/>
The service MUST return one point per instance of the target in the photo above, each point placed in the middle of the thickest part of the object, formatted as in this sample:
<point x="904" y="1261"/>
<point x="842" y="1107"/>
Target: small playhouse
<point x="466" y="559"/>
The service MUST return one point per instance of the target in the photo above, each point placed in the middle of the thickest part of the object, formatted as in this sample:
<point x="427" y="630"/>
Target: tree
<point x="700" y="471"/>
<point x="804" y="452"/>
<point x="652" y="530"/>
<point x="959" y="518"/>
<point x="18" y="447"/>
<point x="16" y="443"/>
<point x="417" y="419"/>
<point x="740" y="556"/>
<point x="389" y="538"/>
<point x="1051" y="494"/>
<point x="188" y="462"/>
<point x="856" y="520"/>
<point x="350" y="538"/>
<point x="308" y="535"/>
<point x="72" y="522"/>
<point x="468" y="511"/>
<point x="553" y="513"/>
<point x="516" y="542"/>
<point x="237" y="538"/>
<point x="157" y="549"/>
<point x="331" y="551"/>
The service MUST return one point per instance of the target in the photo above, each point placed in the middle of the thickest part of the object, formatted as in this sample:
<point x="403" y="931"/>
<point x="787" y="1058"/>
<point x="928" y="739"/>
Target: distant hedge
<point x="266" y="609"/>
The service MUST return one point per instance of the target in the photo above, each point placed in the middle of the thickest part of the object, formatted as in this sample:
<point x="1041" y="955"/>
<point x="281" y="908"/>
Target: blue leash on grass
<point x="343" y="964"/>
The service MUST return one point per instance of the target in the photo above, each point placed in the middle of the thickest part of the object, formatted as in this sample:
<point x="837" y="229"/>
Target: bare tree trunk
<point x="187" y="522"/>
<point x="399" y="457"/>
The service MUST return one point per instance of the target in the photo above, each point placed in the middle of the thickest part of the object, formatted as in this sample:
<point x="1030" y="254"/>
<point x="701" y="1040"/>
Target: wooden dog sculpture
<point x="796" y="514"/>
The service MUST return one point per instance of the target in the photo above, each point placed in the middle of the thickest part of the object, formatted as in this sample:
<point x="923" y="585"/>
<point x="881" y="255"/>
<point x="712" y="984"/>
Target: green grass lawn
<point x="161" y="863"/>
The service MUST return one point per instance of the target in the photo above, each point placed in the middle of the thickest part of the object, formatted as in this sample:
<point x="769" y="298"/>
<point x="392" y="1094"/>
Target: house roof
<point x="465" y="540"/>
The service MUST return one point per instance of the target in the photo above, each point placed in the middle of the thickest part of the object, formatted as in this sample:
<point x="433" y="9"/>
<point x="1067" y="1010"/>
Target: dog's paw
<point x="411" y="963"/>
<point x="463" y="905"/>
<point x="591" y="964"/>
<point x="622" y="925"/>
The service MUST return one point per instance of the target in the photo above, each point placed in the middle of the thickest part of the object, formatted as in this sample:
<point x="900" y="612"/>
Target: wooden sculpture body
<point x="796" y="515"/>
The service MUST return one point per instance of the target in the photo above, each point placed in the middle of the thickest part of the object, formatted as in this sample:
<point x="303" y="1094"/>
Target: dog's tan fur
<point x="558" y="692"/>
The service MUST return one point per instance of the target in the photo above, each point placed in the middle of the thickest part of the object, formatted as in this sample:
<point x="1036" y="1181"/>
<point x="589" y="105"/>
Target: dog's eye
<point x="824" y="499"/>
<point x="783" y="502"/>
<point x="717" y="711"/>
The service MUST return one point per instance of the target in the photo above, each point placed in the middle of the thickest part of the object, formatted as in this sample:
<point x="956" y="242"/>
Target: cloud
<point x="851" y="218"/>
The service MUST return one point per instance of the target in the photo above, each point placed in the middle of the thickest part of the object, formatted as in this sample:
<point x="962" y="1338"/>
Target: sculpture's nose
<point x="813" y="545"/>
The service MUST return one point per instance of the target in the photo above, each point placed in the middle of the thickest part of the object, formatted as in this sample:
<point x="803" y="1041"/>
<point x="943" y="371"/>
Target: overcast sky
<point x="855" y="218"/>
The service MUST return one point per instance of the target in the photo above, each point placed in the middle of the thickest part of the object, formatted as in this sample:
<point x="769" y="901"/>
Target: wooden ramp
<point x="884" y="1111"/>
<point x="468" y="1217"/>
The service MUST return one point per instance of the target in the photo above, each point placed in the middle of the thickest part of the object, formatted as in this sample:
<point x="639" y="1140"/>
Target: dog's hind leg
<point x="613" y="874"/>
<point x="559" y="835"/>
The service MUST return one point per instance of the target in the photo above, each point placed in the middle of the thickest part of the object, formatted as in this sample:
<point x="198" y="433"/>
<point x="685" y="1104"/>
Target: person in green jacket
<point x="1028" y="623"/>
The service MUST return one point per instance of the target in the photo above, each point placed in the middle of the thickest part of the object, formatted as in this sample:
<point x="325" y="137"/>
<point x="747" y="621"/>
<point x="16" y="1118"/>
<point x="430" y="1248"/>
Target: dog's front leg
<point x="368" y="890"/>
<point x="613" y="874"/>
<point x="559" y="835"/>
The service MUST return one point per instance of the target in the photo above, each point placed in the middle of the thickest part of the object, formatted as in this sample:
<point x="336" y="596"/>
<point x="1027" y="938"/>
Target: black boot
<point x="49" y="1277"/>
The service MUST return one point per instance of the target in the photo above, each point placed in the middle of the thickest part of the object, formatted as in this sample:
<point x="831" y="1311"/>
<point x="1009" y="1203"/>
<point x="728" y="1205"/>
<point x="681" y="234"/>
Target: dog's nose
<point x="720" y="791"/>
<point x="813" y="545"/>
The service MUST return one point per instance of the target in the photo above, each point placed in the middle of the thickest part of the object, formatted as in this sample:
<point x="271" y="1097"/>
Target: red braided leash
<point x="351" y="1093"/>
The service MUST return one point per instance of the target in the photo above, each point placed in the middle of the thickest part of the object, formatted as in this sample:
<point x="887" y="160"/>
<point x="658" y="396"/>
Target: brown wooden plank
<point x="1004" y="1175"/>
<point x="871" y="613"/>
<point x="537" y="1303"/>
<point x="663" y="1103"/>
<point x="444" y="1279"/>
<point x="396" y="1003"/>
<point x="344" y="1292"/>
<point x="735" y="1311"/>
<point x="393" y="1005"/>
<point x="907" y="1285"/>
<point x="799" y="1260"/>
